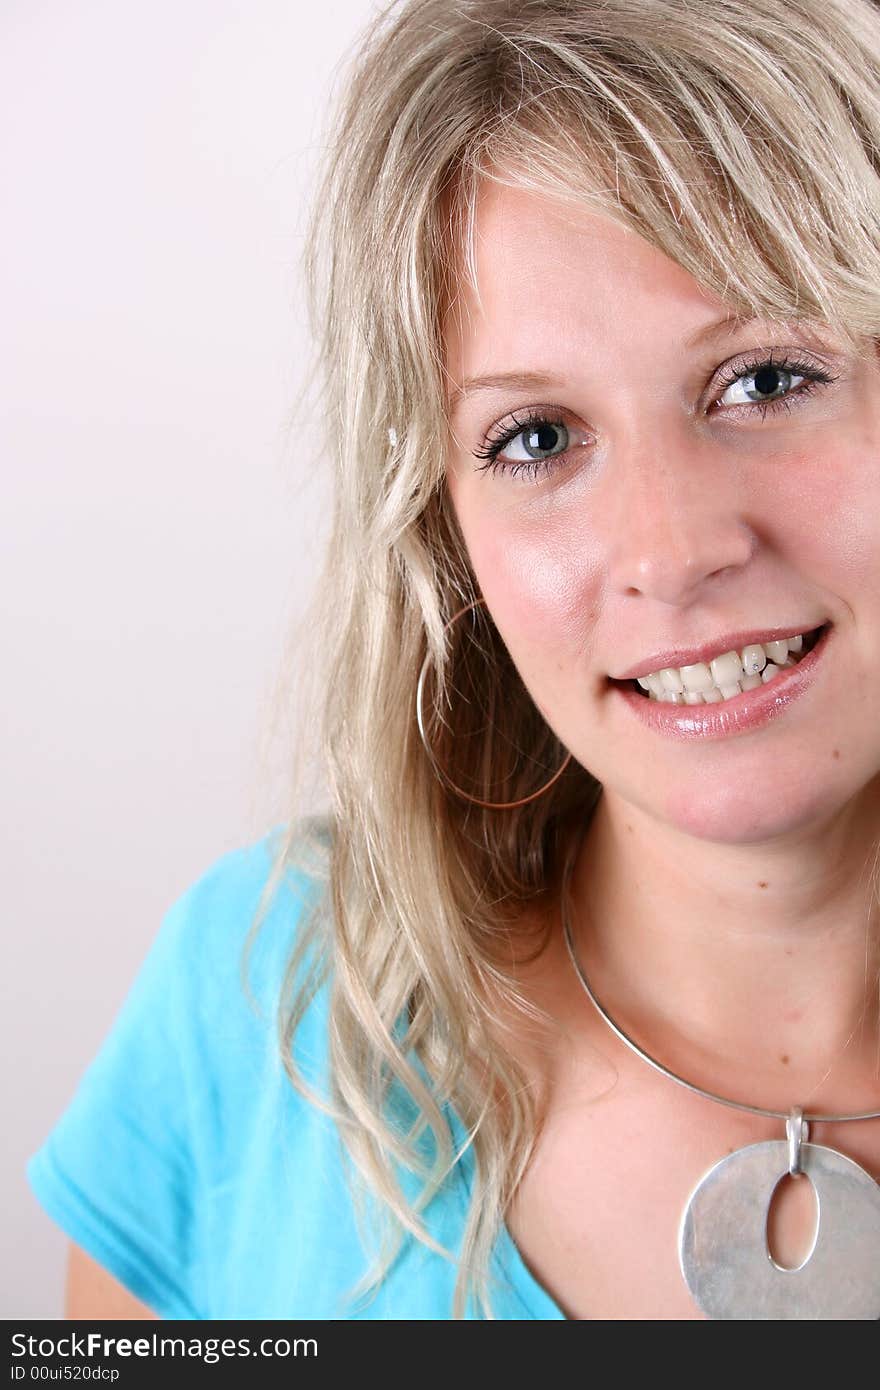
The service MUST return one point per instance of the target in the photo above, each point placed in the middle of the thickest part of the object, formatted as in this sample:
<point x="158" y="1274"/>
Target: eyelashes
<point x="549" y="422"/>
<point x="535" y="421"/>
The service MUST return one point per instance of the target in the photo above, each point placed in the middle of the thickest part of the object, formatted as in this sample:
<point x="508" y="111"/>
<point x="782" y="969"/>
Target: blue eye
<point x="537" y="439"/>
<point x="540" y="438"/>
<point x="768" y="383"/>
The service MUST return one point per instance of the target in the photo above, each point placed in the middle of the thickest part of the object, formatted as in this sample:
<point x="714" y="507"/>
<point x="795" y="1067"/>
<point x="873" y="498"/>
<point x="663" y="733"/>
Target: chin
<point x="755" y="813"/>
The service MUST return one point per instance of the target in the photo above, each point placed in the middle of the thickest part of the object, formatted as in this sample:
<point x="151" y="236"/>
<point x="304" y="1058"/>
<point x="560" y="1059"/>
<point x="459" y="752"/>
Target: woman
<point x="597" y="293"/>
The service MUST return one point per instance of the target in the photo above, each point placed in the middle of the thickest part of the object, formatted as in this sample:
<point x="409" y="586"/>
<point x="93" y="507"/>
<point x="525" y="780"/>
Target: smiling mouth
<point x="810" y="640"/>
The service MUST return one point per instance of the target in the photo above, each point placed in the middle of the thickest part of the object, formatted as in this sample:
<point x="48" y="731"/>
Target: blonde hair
<point x="743" y="141"/>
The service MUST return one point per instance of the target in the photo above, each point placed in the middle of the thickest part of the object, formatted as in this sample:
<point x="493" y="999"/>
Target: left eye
<point x="764" y="384"/>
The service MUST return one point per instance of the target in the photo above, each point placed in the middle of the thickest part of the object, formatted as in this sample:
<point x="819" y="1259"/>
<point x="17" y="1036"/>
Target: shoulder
<point x="290" y="864"/>
<point x="258" y="897"/>
<point x="182" y="1103"/>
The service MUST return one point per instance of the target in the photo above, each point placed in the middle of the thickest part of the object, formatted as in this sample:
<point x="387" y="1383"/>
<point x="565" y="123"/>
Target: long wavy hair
<point x="743" y="141"/>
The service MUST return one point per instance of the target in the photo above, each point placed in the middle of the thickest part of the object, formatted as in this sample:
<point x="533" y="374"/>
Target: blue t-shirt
<point x="189" y="1166"/>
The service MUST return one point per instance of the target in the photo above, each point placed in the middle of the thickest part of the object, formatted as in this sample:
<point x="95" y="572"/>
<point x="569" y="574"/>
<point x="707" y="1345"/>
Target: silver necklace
<point x="722" y="1239"/>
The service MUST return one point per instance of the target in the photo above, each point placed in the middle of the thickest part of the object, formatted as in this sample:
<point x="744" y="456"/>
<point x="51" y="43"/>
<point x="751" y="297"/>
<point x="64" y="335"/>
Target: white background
<point x="163" y="511"/>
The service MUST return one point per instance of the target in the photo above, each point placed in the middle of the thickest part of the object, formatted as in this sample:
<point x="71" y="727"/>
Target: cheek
<point x="829" y="501"/>
<point x="540" y="580"/>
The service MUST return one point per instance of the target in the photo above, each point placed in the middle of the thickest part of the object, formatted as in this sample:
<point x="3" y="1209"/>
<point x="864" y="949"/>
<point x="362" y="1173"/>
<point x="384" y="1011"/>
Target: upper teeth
<point x="721" y="671"/>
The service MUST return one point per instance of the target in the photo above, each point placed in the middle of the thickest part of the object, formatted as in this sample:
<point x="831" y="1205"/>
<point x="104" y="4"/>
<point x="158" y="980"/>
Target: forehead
<point x="540" y="265"/>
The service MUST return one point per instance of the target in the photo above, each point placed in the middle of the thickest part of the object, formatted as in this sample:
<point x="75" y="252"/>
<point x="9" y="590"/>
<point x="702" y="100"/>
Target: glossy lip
<point x="734" y="641"/>
<point x="750" y="710"/>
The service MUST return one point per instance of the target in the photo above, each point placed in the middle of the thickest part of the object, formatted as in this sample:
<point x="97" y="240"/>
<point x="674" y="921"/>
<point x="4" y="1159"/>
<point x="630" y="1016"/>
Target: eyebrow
<point x="501" y="381"/>
<point x="532" y="381"/>
<point x="731" y="323"/>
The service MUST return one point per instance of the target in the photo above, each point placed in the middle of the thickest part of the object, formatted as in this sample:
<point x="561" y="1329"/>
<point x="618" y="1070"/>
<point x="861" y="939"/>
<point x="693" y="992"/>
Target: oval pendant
<point x="722" y="1241"/>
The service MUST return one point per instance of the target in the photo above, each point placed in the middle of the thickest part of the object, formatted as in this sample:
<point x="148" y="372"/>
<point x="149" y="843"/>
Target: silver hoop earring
<point x="490" y="805"/>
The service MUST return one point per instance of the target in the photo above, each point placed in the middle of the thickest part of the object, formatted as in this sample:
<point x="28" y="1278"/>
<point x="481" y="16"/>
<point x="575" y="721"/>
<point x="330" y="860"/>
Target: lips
<point x="810" y="640"/>
<point x="644" y="669"/>
<point x="746" y="713"/>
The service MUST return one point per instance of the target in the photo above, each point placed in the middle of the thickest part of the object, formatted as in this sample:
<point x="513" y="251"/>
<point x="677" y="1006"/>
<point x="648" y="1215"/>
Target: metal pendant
<point x="723" y="1247"/>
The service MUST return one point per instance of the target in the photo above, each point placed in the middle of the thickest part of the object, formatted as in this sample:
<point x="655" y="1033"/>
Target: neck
<point x="749" y="969"/>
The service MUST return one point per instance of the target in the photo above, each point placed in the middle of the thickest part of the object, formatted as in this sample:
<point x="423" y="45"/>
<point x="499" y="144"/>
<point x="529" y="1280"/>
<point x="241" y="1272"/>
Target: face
<point x="657" y="488"/>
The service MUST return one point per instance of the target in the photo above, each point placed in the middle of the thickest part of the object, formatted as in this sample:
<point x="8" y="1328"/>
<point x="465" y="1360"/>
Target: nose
<point x="676" y="519"/>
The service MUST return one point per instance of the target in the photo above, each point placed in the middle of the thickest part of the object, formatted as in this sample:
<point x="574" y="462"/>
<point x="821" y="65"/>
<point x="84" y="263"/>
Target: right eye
<point x="530" y="445"/>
